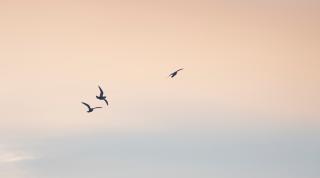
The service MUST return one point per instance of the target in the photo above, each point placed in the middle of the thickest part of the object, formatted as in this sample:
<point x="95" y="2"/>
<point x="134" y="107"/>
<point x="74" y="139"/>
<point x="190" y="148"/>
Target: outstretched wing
<point x="179" y="69"/>
<point x="101" y="91"/>
<point x="106" y="101"/>
<point x="88" y="106"/>
<point x="96" y="107"/>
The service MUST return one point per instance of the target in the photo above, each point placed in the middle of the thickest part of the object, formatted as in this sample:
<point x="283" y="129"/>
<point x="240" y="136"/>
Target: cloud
<point x="14" y="156"/>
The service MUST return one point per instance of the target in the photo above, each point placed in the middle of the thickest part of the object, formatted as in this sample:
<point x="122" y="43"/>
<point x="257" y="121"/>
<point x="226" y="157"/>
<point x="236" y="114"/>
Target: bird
<point x="90" y="109"/>
<point x="175" y="73"/>
<point x="102" y="97"/>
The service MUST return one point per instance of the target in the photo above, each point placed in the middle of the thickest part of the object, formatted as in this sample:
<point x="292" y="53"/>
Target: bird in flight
<point x="102" y="97"/>
<point x="90" y="109"/>
<point x="175" y="73"/>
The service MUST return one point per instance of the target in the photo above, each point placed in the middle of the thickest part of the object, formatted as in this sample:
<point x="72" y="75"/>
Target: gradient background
<point x="246" y="105"/>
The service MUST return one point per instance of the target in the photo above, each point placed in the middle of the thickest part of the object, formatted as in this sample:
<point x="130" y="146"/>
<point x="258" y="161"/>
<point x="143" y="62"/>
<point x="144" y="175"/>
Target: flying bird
<point x="90" y="109"/>
<point x="175" y="73"/>
<point x="102" y="97"/>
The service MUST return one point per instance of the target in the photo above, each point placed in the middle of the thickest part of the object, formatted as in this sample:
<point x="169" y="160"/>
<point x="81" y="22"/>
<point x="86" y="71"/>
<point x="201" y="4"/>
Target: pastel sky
<point x="246" y="105"/>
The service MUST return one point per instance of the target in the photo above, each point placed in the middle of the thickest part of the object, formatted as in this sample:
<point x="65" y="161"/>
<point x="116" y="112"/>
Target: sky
<point x="245" y="105"/>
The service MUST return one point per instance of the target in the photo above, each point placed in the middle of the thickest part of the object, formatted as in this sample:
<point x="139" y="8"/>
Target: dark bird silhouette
<point x="90" y="109"/>
<point x="175" y="73"/>
<point x="102" y="97"/>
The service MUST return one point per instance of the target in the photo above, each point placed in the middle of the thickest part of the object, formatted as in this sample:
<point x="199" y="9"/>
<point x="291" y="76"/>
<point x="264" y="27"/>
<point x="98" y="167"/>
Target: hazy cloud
<point x="9" y="156"/>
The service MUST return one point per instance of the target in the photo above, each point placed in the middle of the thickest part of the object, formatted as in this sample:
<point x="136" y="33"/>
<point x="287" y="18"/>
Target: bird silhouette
<point x="102" y="97"/>
<point x="90" y="109"/>
<point x="175" y="73"/>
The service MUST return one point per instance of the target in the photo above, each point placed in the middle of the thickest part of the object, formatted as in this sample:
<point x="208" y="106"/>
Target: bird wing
<point x="179" y="69"/>
<point x="101" y="91"/>
<point x="88" y="106"/>
<point x="96" y="107"/>
<point x="106" y="101"/>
